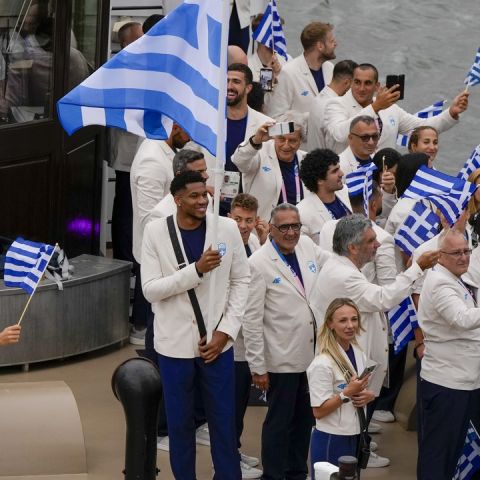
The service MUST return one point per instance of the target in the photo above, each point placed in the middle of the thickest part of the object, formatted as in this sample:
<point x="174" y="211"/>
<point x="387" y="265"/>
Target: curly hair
<point x="314" y="167"/>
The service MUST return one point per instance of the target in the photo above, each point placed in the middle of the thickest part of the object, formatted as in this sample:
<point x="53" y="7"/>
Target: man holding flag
<point x="10" y="335"/>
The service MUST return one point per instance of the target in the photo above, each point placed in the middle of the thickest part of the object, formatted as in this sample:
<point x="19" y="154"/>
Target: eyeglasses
<point x="366" y="138"/>
<point x="287" y="226"/>
<point x="467" y="252"/>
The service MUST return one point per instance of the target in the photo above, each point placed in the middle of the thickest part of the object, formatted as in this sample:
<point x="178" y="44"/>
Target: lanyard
<point x="468" y="289"/>
<point x="293" y="272"/>
<point x="298" y="188"/>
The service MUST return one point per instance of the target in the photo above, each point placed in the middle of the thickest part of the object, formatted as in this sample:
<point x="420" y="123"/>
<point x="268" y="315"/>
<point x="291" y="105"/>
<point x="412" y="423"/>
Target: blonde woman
<point x="335" y="389"/>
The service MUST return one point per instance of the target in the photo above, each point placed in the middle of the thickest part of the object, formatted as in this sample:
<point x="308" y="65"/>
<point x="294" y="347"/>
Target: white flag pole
<point x="219" y="170"/>
<point x="35" y="289"/>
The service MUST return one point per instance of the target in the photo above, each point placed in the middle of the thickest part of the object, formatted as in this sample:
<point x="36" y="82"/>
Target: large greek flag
<point x="173" y="71"/>
<point x="431" y="111"/>
<point x="469" y="461"/>
<point x="403" y="320"/>
<point x="25" y="264"/>
<point x="360" y="182"/>
<point x="473" y="76"/>
<point x="471" y="164"/>
<point x="270" y="32"/>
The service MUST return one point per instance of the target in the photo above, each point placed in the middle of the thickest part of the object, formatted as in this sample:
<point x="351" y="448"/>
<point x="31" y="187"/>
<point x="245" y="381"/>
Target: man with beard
<point x="304" y="77"/>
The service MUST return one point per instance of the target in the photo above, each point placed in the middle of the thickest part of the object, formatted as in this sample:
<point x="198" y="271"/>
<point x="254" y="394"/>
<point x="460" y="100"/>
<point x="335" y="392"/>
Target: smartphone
<point x="266" y="79"/>
<point x="367" y="370"/>
<point x="281" y="128"/>
<point x="396" y="80"/>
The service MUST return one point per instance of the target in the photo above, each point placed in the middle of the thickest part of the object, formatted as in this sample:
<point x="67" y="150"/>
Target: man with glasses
<point x="450" y="319"/>
<point x="280" y="330"/>
<point x="368" y="97"/>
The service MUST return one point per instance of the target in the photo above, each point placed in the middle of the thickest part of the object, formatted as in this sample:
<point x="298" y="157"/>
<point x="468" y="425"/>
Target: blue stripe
<point x="115" y="117"/>
<point x="9" y="260"/>
<point x="17" y="273"/>
<point x="21" y="251"/>
<point x="214" y="40"/>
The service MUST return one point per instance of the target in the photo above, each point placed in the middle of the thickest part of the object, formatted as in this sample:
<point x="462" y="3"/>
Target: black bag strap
<point x="182" y="264"/>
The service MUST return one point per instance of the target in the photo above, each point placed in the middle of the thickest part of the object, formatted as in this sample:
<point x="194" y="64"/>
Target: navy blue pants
<point x="217" y="386"/>
<point x="287" y="426"/>
<point x="445" y="415"/>
<point x="243" y="381"/>
<point x="326" y="447"/>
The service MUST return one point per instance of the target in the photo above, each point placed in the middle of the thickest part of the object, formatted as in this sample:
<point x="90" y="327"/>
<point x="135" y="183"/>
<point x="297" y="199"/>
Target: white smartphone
<point x="281" y="128"/>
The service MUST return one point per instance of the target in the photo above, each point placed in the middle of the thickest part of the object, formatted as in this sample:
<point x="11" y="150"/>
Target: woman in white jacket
<point x="335" y="389"/>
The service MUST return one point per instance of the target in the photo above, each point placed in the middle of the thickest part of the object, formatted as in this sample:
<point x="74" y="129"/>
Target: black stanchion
<point x="136" y="384"/>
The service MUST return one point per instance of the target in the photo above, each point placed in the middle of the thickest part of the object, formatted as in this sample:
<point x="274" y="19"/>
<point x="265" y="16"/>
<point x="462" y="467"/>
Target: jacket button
<point x="194" y="322"/>
<point x="386" y="350"/>
<point x="311" y="323"/>
<point x="311" y="340"/>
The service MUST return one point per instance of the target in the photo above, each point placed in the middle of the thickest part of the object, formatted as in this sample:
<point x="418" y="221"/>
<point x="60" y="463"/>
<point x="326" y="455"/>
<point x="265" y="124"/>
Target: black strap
<point x="181" y="264"/>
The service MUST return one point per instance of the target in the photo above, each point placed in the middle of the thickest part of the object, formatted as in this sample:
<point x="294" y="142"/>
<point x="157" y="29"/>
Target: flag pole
<point x="273" y="31"/>
<point x="36" y="285"/>
<point x="219" y="170"/>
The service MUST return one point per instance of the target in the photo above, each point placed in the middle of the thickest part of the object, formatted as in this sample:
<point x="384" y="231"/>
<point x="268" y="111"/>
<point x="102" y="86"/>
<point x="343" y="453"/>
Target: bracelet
<point x="418" y="345"/>
<point x="256" y="146"/>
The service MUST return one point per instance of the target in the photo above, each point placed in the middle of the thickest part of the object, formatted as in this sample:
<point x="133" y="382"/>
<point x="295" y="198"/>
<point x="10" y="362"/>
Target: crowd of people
<point x="304" y="274"/>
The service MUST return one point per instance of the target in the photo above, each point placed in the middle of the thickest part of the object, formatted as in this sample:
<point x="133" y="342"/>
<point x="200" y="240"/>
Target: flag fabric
<point x="473" y="76"/>
<point x="431" y="111"/>
<point x="270" y="32"/>
<point x="403" y="320"/>
<point x="449" y="194"/>
<point x="170" y="73"/>
<point x="471" y="164"/>
<point x="360" y="182"/>
<point x="25" y="263"/>
<point x="469" y="461"/>
<point x="420" y="225"/>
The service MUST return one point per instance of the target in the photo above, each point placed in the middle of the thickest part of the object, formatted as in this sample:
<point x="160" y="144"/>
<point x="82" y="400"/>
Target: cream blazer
<point x="165" y="286"/>
<point x="279" y="324"/>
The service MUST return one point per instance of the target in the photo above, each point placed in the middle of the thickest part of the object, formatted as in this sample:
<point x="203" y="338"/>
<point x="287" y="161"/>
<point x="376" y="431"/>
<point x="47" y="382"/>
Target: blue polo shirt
<point x="288" y="175"/>
<point x="337" y="209"/>
<point x="194" y="242"/>
<point x="292" y="260"/>
<point x="318" y="77"/>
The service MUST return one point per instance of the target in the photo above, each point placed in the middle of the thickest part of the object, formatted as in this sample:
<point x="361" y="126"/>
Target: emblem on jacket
<point x="276" y="280"/>
<point x="266" y="169"/>
<point x="304" y="93"/>
<point x="312" y="267"/>
<point x="392" y="121"/>
<point x="222" y="249"/>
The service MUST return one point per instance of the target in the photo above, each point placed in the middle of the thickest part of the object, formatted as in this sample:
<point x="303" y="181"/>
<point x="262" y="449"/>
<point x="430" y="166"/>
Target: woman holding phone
<point x="338" y="384"/>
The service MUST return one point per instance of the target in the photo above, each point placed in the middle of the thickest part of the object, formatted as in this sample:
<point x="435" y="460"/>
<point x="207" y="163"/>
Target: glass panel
<point x="83" y="41"/>
<point x="26" y="59"/>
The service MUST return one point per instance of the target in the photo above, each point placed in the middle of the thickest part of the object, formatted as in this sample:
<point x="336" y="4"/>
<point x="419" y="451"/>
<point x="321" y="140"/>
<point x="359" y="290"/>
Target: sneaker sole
<point x="136" y="341"/>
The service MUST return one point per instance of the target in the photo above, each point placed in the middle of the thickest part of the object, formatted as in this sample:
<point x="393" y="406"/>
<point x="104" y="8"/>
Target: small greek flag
<point x="469" y="461"/>
<point x="360" y="182"/>
<point x="471" y="164"/>
<point x="473" y="76"/>
<point x="170" y="73"/>
<point x="420" y="225"/>
<point x="270" y="32"/>
<point x="25" y="264"/>
<point x="431" y="111"/>
<point x="403" y="320"/>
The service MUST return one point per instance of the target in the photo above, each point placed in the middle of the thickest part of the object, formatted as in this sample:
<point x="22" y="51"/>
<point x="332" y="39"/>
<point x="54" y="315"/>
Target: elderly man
<point x="177" y="258"/>
<point x="271" y="166"/>
<point x="280" y="332"/>
<point x="391" y="119"/>
<point x="450" y="320"/>
<point x="355" y="244"/>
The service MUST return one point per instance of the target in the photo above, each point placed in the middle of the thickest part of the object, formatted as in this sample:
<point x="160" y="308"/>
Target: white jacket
<point x="165" y="286"/>
<point x="340" y="112"/>
<point x="150" y="178"/>
<point x="261" y="174"/>
<point x="341" y="278"/>
<point x="279" y="324"/>
<point x="296" y="87"/>
<point x="450" y="321"/>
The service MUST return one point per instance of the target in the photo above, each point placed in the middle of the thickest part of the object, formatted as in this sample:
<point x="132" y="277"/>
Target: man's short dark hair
<point x="183" y="179"/>
<point x="123" y="30"/>
<point x="183" y="157"/>
<point x="366" y="119"/>
<point x="356" y="201"/>
<point x="314" y="167"/>
<point x="256" y="97"/>
<point x="314" y="32"/>
<point x="368" y="66"/>
<point x="151" y="21"/>
<point x="245" y="69"/>
<point x="246" y="201"/>
<point x="344" y="69"/>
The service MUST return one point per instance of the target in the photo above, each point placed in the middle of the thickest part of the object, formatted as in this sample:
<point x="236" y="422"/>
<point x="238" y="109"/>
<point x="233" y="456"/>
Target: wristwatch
<point x="343" y="397"/>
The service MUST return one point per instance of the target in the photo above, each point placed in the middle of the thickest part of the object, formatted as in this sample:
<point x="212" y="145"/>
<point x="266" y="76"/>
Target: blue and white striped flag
<point x="359" y="182"/>
<point x="473" y="76"/>
<point x="471" y="164"/>
<point x="172" y="71"/>
<point x="25" y="264"/>
<point x="420" y="225"/>
<point x="403" y="320"/>
<point x="431" y="111"/>
<point x="469" y="461"/>
<point x="270" y="32"/>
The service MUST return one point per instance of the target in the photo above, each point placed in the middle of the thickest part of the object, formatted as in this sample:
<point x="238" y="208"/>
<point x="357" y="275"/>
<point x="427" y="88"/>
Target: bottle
<point x="347" y="469"/>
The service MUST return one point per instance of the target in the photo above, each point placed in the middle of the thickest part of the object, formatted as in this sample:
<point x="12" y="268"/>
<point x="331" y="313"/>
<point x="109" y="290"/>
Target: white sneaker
<point x="203" y="435"/>
<point x="373" y="446"/>
<point x="383" y="416"/>
<point x="137" y="337"/>
<point x="376" y="461"/>
<point x="250" y="461"/>
<point x="374" y="427"/>
<point x="250" y="472"/>
<point x="163" y="443"/>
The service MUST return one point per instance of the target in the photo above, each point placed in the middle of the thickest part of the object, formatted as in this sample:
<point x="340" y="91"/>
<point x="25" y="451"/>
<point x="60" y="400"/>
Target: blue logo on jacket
<point x="222" y="249"/>
<point x="276" y="280"/>
<point x="304" y="93"/>
<point x="312" y="267"/>
<point x="266" y="169"/>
